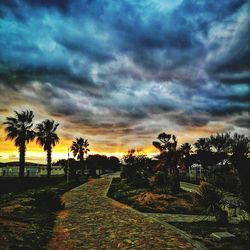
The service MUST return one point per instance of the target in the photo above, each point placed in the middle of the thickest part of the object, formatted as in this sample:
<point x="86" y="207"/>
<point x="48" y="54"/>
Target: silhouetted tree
<point x="186" y="149"/>
<point x="19" y="129"/>
<point x="210" y="151"/>
<point x="220" y="142"/>
<point x="240" y="148"/>
<point x="95" y="162"/>
<point x="202" y="145"/>
<point x="114" y="163"/>
<point x="169" y="157"/>
<point x="185" y="155"/>
<point x="203" y="151"/>
<point x="74" y="167"/>
<point x="80" y="148"/>
<point x="47" y="138"/>
<point x="136" y="168"/>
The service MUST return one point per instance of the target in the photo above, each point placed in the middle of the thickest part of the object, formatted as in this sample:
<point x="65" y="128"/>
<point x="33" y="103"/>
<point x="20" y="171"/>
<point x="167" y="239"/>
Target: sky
<point x="118" y="73"/>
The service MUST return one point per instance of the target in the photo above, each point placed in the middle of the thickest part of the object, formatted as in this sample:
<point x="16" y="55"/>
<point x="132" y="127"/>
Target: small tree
<point x="114" y="163"/>
<point x="169" y="157"/>
<point x="136" y="167"/>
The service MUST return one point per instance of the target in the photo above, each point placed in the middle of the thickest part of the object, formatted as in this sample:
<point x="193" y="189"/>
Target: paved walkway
<point x="93" y="221"/>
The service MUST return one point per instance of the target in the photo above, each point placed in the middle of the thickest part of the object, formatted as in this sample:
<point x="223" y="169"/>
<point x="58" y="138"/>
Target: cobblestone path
<point x="93" y="221"/>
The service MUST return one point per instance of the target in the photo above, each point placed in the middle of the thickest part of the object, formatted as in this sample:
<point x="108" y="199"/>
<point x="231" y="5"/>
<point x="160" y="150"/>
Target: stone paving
<point x="93" y="221"/>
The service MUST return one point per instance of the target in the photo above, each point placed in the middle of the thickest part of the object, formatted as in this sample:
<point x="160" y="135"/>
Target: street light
<point x="68" y="168"/>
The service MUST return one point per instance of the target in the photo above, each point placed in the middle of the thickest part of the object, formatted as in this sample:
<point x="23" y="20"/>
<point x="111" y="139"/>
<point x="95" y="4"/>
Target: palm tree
<point x="240" y="150"/>
<point x="47" y="138"/>
<point x="169" y="157"/>
<point x="185" y="158"/>
<point x="220" y="142"/>
<point x="240" y="146"/>
<point x="203" y="150"/>
<point x="202" y="144"/>
<point x="80" y="148"/>
<point x="19" y="128"/>
<point x="186" y="149"/>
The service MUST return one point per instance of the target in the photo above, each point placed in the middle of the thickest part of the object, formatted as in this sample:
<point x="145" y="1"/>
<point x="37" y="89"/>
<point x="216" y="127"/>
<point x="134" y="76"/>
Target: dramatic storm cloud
<point x="120" y="72"/>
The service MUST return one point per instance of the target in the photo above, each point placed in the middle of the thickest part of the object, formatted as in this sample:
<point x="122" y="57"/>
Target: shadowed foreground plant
<point x="209" y="197"/>
<point x="48" y="199"/>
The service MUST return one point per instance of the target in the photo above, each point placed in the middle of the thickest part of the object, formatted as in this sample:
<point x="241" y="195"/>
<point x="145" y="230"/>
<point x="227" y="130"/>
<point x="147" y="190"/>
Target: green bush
<point x="163" y="183"/>
<point x="139" y="181"/>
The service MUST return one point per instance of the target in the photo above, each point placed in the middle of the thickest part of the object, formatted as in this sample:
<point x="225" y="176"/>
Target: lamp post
<point x="68" y="168"/>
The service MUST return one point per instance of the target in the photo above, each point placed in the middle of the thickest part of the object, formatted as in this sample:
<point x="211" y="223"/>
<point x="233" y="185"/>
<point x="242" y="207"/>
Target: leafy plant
<point x="169" y="158"/>
<point x="209" y="197"/>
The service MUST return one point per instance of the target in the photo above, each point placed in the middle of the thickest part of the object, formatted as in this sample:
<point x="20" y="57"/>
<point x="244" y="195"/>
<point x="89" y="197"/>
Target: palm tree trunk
<point x="85" y="162"/>
<point x="22" y="150"/>
<point x="176" y="186"/>
<point x="82" y="163"/>
<point x="49" y="151"/>
<point x="242" y="166"/>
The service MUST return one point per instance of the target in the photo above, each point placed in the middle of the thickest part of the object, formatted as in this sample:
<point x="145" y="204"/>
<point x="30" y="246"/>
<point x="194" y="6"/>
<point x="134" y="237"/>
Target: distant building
<point x="31" y="171"/>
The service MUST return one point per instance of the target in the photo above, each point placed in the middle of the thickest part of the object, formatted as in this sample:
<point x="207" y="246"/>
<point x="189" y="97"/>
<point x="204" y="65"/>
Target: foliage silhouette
<point x="137" y="168"/>
<point x="80" y="148"/>
<point x="169" y="158"/>
<point x="19" y="129"/>
<point x="239" y="150"/>
<point x="47" y="138"/>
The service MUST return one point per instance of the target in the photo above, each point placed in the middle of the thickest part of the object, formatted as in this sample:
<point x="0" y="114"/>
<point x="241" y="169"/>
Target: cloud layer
<point x="128" y="69"/>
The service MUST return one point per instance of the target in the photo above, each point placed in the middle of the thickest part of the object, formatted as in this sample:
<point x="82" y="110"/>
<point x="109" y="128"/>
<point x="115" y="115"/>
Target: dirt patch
<point x="149" y="197"/>
<point x="160" y="202"/>
<point x="14" y="224"/>
<point x="10" y="208"/>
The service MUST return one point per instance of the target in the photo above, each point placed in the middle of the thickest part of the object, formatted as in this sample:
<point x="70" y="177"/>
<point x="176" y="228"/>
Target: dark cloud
<point x="193" y="120"/>
<point x="62" y="5"/>
<point x="242" y="122"/>
<point x="116" y="65"/>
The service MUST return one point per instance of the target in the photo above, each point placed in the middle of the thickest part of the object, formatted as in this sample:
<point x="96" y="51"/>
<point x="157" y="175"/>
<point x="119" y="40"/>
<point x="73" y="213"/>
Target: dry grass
<point x="161" y="202"/>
